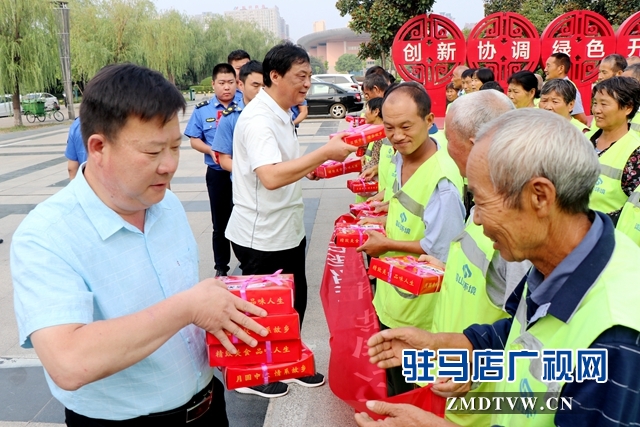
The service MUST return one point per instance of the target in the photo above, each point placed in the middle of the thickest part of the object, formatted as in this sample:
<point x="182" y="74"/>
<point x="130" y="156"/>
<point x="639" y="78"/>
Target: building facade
<point x="329" y="45"/>
<point x="266" y="18"/>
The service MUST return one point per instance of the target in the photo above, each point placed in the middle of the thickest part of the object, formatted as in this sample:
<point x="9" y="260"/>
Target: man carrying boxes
<point x="425" y="209"/>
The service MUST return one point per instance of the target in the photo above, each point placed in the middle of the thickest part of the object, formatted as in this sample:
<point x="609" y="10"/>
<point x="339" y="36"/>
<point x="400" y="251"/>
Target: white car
<point x="6" y="105"/>
<point x="50" y="101"/>
<point x="345" y="81"/>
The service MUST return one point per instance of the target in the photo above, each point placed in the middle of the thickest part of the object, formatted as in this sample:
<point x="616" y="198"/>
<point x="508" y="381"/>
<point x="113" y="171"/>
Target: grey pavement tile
<point x="53" y="412"/>
<point x="25" y="393"/>
<point x="32" y="168"/>
<point x="17" y="209"/>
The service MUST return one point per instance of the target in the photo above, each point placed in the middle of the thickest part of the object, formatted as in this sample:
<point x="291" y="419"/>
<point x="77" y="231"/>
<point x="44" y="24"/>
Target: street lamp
<point x="64" y="48"/>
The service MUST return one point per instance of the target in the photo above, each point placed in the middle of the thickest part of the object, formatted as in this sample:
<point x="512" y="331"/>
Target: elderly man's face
<point x="511" y="229"/>
<point x="404" y="127"/>
<point x="605" y="71"/>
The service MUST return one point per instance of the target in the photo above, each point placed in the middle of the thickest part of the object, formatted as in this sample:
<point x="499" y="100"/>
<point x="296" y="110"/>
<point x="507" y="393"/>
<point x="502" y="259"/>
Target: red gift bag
<point x="347" y="302"/>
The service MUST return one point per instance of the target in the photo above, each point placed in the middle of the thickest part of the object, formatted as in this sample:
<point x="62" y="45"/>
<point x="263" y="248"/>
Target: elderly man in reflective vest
<point x="531" y="173"/>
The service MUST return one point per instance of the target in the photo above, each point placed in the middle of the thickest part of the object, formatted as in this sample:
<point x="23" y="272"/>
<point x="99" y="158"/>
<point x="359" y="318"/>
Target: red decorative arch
<point x="628" y="36"/>
<point x="426" y="49"/>
<point x="504" y="42"/>
<point x="586" y="37"/>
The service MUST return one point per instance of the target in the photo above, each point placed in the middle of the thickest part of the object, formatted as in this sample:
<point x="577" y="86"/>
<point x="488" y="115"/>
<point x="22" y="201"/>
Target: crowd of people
<point x="532" y="211"/>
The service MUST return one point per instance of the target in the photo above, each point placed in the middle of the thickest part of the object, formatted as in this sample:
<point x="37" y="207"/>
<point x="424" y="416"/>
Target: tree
<point x="28" y="48"/>
<point x="317" y="65"/>
<point x="381" y="19"/>
<point x="348" y="63"/>
<point x="542" y="12"/>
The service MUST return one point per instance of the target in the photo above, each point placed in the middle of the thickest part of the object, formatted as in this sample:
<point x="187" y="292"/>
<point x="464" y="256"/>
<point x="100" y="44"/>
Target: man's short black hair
<point x="376" y="69"/>
<point x="250" y="67"/>
<point x="492" y="85"/>
<point x="562" y="59"/>
<point x="375" y="104"/>
<point x="222" y="68"/>
<point x="618" y="63"/>
<point x="484" y="75"/>
<point x="624" y="90"/>
<point x="119" y="91"/>
<point x="375" y="80"/>
<point x="417" y="92"/>
<point x="238" y="55"/>
<point x="469" y="72"/>
<point x="281" y="58"/>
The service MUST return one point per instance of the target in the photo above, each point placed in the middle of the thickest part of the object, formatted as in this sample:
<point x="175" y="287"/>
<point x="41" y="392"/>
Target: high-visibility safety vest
<point x="607" y="196"/>
<point x="581" y="126"/>
<point x="629" y="220"/>
<point x="386" y="169"/>
<point x="634" y="124"/>
<point x="405" y="222"/>
<point x="611" y="301"/>
<point x="464" y="301"/>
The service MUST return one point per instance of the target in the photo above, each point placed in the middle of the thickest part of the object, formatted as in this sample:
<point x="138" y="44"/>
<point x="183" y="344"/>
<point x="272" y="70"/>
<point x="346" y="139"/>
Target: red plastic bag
<point x="347" y="302"/>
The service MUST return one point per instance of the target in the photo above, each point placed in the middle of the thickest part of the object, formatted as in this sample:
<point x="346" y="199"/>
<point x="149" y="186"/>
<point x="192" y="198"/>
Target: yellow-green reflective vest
<point x="464" y="301"/>
<point x="405" y="222"/>
<point x="440" y="138"/>
<point x="386" y="169"/>
<point x="611" y="301"/>
<point x="634" y="124"/>
<point x="629" y="221"/>
<point x="581" y="126"/>
<point x="607" y="196"/>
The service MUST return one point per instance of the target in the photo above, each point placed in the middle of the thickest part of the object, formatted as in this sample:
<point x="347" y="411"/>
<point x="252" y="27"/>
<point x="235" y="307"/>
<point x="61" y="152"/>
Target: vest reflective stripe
<point x="607" y="196"/>
<point x="629" y="221"/>
<point x="386" y="169"/>
<point x="368" y="153"/>
<point x="409" y="204"/>
<point x="394" y="306"/>
<point x="464" y="300"/>
<point x="635" y="123"/>
<point x="611" y="172"/>
<point x="609" y="302"/>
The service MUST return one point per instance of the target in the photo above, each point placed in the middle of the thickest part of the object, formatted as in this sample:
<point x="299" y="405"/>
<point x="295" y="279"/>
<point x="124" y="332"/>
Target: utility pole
<point x="64" y="48"/>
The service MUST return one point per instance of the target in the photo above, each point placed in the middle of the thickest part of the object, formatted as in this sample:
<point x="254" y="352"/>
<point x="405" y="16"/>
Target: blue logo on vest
<point x="466" y="271"/>
<point x="527" y="402"/>
<point x="403" y="217"/>
<point x="599" y="181"/>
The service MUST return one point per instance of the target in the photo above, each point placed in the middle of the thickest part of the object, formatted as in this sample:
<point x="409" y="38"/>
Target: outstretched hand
<point x="385" y="347"/>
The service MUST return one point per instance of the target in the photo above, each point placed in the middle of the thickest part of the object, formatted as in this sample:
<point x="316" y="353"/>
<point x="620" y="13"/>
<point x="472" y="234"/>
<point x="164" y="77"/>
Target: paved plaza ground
<point x="33" y="167"/>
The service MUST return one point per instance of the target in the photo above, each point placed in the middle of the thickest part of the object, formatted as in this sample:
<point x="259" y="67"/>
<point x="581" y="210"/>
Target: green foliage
<point x="28" y="48"/>
<point x="206" y="82"/>
<point x="348" y="63"/>
<point x="317" y="65"/>
<point x="381" y="19"/>
<point x="542" y="12"/>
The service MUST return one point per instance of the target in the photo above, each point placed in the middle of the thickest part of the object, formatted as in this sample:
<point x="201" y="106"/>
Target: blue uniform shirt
<point x="295" y="111"/>
<point x="203" y="123"/>
<point x="75" y="147"/>
<point x="223" y="141"/>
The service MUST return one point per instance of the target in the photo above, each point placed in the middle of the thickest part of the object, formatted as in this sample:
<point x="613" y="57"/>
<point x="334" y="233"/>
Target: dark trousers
<point x="291" y="261"/>
<point x="221" y="202"/>
<point x="396" y="383"/>
<point x="216" y="416"/>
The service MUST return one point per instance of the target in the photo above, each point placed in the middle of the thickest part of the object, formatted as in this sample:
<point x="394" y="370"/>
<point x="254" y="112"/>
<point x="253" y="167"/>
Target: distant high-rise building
<point x="319" y="26"/>
<point x="447" y="15"/>
<point x="267" y="19"/>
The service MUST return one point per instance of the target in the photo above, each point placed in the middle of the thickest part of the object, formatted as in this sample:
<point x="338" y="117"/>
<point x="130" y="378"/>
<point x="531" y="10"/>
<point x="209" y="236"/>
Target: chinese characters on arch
<point x="428" y="47"/>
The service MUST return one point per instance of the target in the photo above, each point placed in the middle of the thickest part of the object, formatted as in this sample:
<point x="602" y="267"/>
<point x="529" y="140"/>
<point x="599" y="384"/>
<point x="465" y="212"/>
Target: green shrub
<point x="206" y="82"/>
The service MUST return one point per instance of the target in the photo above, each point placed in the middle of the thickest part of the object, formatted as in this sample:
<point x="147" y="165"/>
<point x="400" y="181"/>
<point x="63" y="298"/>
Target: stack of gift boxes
<point x="281" y="354"/>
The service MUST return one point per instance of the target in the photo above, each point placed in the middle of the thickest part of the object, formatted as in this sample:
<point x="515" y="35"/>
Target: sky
<point x="300" y="14"/>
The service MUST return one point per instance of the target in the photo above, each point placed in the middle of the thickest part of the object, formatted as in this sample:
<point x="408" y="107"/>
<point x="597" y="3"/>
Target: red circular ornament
<point x="504" y="42"/>
<point x="426" y="49"/>
<point x="586" y="37"/>
<point x="628" y="36"/>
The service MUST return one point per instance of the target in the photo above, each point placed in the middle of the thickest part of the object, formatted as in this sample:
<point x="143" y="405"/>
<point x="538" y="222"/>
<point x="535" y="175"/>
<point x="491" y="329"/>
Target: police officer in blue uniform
<point x="201" y="131"/>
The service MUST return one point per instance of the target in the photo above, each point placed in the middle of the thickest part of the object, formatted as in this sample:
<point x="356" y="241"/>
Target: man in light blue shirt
<point x="105" y="272"/>
<point x="75" y="151"/>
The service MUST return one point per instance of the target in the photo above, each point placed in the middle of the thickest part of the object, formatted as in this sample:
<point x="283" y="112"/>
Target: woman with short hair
<point x="559" y="96"/>
<point x="523" y="89"/>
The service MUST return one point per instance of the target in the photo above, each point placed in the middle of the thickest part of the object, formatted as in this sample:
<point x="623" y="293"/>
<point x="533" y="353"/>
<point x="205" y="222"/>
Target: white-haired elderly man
<point x="531" y="173"/>
<point x="477" y="279"/>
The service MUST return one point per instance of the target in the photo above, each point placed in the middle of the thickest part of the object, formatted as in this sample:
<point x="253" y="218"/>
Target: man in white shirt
<point x="266" y="227"/>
